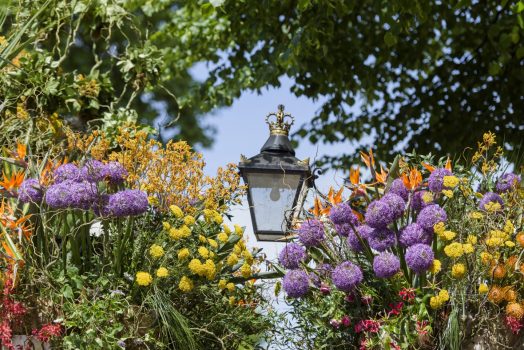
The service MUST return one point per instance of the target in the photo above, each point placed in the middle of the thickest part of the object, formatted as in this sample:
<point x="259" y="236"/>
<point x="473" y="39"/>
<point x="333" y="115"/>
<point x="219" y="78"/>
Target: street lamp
<point x="277" y="181"/>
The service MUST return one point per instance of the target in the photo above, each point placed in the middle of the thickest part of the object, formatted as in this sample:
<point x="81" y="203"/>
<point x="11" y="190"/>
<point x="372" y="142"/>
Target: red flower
<point x="407" y="294"/>
<point x="422" y="327"/>
<point x="47" y="331"/>
<point x="371" y="326"/>
<point x="395" y="309"/>
<point x="394" y="346"/>
<point x="514" y="324"/>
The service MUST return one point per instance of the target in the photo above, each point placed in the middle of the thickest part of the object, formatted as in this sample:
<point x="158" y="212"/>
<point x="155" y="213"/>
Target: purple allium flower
<point x="431" y="215"/>
<point x="417" y="203"/>
<point x="507" y="182"/>
<point x="126" y="203"/>
<point x="314" y="279"/>
<point x="386" y="265"/>
<point x="324" y="270"/>
<point x="93" y="171"/>
<point x="82" y="195"/>
<point x="382" y="239"/>
<point x="398" y="188"/>
<point x="396" y="203"/>
<point x="343" y="229"/>
<point x="30" y="191"/>
<point x="364" y="231"/>
<point x="379" y="214"/>
<point x="419" y="257"/>
<point x="296" y="283"/>
<point x="436" y="179"/>
<point x="413" y="234"/>
<point x="58" y="195"/>
<point x="292" y="255"/>
<point x="67" y="171"/>
<point x="114" y="172"/>
<point x="346" y="276"/>
<point x="343" y="214"/>
<point x="311" y="233"/>
<point x="354" y="242"/>
<point x="490" y="197"/>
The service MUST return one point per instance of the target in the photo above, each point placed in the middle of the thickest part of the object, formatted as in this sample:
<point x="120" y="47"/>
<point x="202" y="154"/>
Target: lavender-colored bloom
<point x="431" y="215"/>
<point x="67" y="172"/>
<point x="343" y="229"/>
<point x="507" y="182"/>
<point x="364" y="231"/>
<point x="30" y="191"/>
<point x="413" y="234"/>
<point x="324" y="270"/>
<point x="419" y="257"/>
<point x="296" y="283"/>
<point x="382" y="239"/>
<point x="347" y="276"/>
<point x="490" y="197"/>
<point x="379" y="214"/>
<point x="93" y="171"/>
<point x="82" y="195"/>
<point x="396" y="203"/>
<point x="436" y="179"/>
<point x="311" y="233"/>
<point x="58" y="195"/>
<point x="417" y="203"/>
<point x="397" y="187"/>
<point x="354" y="242"/>
<point x="292" y="255"/>
<point x="343" y="214"/>
<point x="314" y="279"/>
<point x="126" y="203"/>
<point x="386" y="265"/>
<point x="114" y="172"/>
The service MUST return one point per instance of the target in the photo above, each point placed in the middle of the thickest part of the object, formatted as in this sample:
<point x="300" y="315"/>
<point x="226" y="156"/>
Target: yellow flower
<point x="204" y="252"/>
<point x="427" y="197"/>
<point x="231" y="300"/>
<point x="443" y="295"/>
<point x="212" y="243"/>
<point x="436" y="267"/>
<point x="227" y="230"/>
<point x="486" y="257"/>
<point x="476" y="215"/>
<point x="189" y="220"/>
<point x="166" y="225"/>
<point x="183" y="254"/>
<point x="492" y="206"/>
<point x="143" y="278"/>
<point x="202" y="239"/>
<point x="186" y="231"/>
<point x="209" y="270"/>
<point x="152" y="200"/>
<point x="176" y="211"/>
<point x="509" y="227"/>
<point x="218" y="218"/>
<point x="162" y="272"/>
<point x="246" y="270"/>
<point x="185" y="285"/>
<point x="458" y="270"/>
<point x="509" y="244"/>
<point x="454" y="250"/>
<point x="468" y="248"/>
<point x="222" y="237"/>
<point x="435" y="303"/>
<point x="451" y="181"/>
<point x="471" y="239"/>
<point x="195" y="266"/>
<point x="232" y="259"/>
<point x="237" y="249"/>
<point x="239" y="230"/>
<point x="211" y="254"/>
<point x="176" y="233"/>
<point x="248" y="256"/>
<point x="448" y="193"/>
<point x="156" y="251"/>
<point x="209" y="215"/>
<point x="222" y="284"/>
<point x="483" y="288"/>
<point x="230" y="287"/>
<point x="439" y="228"/>
<point x="448" y="235"/>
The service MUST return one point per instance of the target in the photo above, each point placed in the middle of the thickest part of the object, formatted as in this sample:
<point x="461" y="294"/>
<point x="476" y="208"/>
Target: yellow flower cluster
<point x="496" y="238"/>
<point x="177" y="212"/>
<point x="189" y="220"/>
<point x="245" y="270"/>
<point x="439" y="228"/>
<point x="204" y="252"/>
<point x="162" y="272"/>
<point x="222" y="284"/>
<point x="222" y="237"/>
<point x="212" y="243"/>
<point x="427" y="197"/>
<point x="436" y="267"/>
<point x="458" y="270"/>
<point x="185" y="284"/>
<point x="448" y="235"/>
<point x="448" y="193"/>
<point x="451" y="181"/>
<point x="143" y="278"/>
<point x="509" y="228"/>
<point x="454" y="250"/>
<point x="492" y="206"/>
<point x="232" y="259"/>
<point x="183" y="254"/>
<point x="212" y="216"/>
<point x="207" y="269"/>
<point x="471" y="239"/>
<point x="156" y="251"/>
<point x="440" y="299"/>
<point x="179" y="233"/>
<point x="476" y="215"/>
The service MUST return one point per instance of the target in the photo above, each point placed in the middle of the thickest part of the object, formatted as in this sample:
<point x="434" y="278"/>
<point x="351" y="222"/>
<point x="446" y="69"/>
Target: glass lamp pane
<point x="272" y="195"/>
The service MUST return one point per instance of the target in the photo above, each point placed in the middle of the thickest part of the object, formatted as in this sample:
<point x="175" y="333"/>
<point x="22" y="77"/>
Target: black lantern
<point x="277" y="181"/>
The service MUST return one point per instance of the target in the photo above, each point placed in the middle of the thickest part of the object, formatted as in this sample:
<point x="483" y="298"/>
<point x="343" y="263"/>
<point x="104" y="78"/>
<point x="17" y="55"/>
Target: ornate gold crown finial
<point x="280" y="126"/>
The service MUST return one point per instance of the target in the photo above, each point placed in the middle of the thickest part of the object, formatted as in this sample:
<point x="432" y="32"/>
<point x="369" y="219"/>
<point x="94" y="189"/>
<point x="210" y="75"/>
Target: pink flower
<point x="513" y="324"/>
<point x="407" y="294"/>
<point x="396" y="309"/>
<point x="422" y="327"/>
<point x="324" y="289"/>
<point x="346" y="321"/>
<point x="371" y="326"/>
<point x="47" y="331"/>
<point x="334" y="323"/>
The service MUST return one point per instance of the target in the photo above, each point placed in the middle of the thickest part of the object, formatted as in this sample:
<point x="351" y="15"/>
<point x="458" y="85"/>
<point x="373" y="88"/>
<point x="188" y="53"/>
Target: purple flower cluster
<point x="347" y="276"/>
<point x="292" y="255"/>
<point x="296" y="283"/>
<point x="431" y="215"/>
<point x="397" y="187"/>
<point x="71" y="194"/>
<point x="419" y="257"/>
<point x="126" y="203"/>
<point x="507" y="182"/>
<point x="67" y="171"/>
<point x="381" y="239"/>
<point x="343" y="214"/>
<point x="417" y="203"/>
<point x="379" y="214"/>
<point x="354" y="242"/>
<point x="386" y="265"/>
<point x="114" y="172"/>
<point x="311" y="233"/>
<point x="397" y="204"/>
<point x="413" y="234"/>
<point x="93" y="171"/>
<point x="490" y="197"/>
<point x="436" y="179"/>
<point x="30" y="191"/>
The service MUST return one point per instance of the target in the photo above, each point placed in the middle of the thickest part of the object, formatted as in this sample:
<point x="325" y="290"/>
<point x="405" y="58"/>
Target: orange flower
<point x="515" y="310"/>
<point x="496" y="294"/>
<point x="318" y="209"/>
<point x="10" y="183"/>
<point x="333" y="198"/>
<point x="520" y="239"/>
<point x="368" y="159"/>
<point x="382" y="176"/>
<point x="413" y="180"/>
<point x="498" y="271"/>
